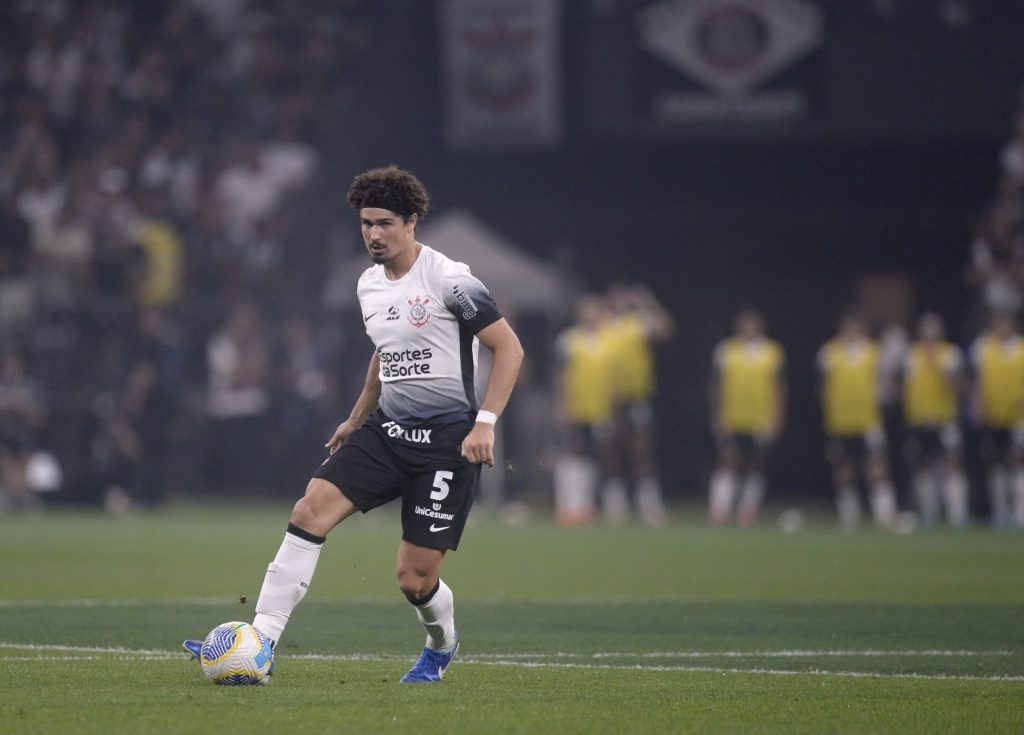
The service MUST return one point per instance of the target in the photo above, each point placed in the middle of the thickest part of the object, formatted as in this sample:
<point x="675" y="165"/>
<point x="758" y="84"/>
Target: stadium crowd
<point x="155" y="160"/>
<point x="163" y="193"/>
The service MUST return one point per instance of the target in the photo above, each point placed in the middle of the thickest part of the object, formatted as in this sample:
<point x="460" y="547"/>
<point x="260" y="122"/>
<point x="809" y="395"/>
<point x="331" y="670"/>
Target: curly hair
<point x="390" y="188"/>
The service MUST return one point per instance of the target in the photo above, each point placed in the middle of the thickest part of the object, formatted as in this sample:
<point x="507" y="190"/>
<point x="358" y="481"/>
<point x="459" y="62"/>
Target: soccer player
<point x="998" y="358"/>
<point x="849" y="370"/>
<point x="932" y="379"/>
<point x="585" y="411"/>
<point x="637" y="322"/>
<point x="748" y="409"/>
<point x="416" y="431"/>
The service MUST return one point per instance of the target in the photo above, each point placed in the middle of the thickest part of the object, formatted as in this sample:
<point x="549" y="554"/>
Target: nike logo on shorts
<point x="368" y="318"/>
<point x="435" y="529"/>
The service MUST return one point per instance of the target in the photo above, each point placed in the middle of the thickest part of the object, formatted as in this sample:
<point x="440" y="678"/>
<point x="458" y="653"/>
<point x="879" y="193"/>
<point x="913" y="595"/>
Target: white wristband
<point x="487" y="417"/>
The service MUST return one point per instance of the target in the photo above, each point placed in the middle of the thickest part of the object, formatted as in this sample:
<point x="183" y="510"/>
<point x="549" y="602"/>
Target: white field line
<point x="809" y="653"/>
<point x="94" y="653"/>
<point x="355" y="599"/>
<point x="769" y="672"/>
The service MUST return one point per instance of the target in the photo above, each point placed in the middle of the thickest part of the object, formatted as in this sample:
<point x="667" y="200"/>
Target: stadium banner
<point x="501" y="74"/>
<point x="728" y="66"/>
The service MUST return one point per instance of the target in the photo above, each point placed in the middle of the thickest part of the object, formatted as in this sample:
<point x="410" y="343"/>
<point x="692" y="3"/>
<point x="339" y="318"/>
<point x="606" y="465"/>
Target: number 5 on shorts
<point x="441" y="478"/>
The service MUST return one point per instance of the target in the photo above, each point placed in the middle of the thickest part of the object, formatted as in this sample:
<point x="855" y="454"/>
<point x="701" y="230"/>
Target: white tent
<point x="516" y="280"/>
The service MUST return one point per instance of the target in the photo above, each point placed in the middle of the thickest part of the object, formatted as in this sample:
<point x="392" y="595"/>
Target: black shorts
<point x="590" y="440"/>
<point x="744" y="447"/>
<point x="422" y="465"/>
<point x="635" y="415"/>
<point x="933" y="442"/>
<point x="1000" y="445"/>
<point x="855" y="448"/>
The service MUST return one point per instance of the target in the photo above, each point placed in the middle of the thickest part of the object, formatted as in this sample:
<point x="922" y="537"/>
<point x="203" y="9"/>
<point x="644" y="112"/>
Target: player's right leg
<point x="882" y="497"/>
<point x="288" y="577"/>
<point x="844" y="482"/>
<point x="724" y="481"/>
<point x="322" y="508"/>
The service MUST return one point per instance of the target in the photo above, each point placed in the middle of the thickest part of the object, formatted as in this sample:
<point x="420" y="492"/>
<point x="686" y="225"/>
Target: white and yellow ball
<point x="236" y="653"/>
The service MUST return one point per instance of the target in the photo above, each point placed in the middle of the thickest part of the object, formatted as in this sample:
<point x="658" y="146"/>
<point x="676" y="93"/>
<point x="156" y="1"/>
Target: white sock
<point x="721" y="492"/>
<point x="649" y="503"/>
<point x="999" y="491"/>
<point x="1017" y="493"/>
<point x="848" y="507"/>
<point x="927" y="496"/>
<point x="285" y="583"/>
<point x="883" y="504"/>
<point x="574" y="480"/>
<point x="437" y="616"/>
<point x="615" y="501"/>
<point x="955" y="491"/>
<point x="750" y="498"/>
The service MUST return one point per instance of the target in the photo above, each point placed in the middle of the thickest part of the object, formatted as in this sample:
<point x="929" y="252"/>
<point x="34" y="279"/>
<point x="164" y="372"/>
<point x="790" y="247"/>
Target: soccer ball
<point x="236" y="653"/>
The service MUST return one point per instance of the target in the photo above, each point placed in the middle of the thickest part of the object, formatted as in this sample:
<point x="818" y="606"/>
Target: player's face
<point x="851" y="328"/>
<point x="1003" y="327"/>
<point x="386" y="235"/>
<point x="749" y="327"/>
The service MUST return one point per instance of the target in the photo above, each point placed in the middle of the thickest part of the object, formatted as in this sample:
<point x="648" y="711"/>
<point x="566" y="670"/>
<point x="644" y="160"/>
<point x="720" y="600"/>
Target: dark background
<point x="907" y="107"/>
<point x="899" y="152"/>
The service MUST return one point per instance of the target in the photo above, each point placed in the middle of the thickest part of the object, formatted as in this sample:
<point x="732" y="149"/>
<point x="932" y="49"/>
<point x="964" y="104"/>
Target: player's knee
<point x="843" y="473"/>
<point x="415" y="583"/>
<point x="877" y="470"/>
<point x="304" y="514"/>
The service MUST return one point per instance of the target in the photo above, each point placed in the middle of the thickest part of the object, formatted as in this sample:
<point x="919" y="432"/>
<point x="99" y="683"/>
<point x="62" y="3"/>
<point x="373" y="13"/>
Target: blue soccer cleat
<point x="193" y="648"/>
<point x="430" y="666"/>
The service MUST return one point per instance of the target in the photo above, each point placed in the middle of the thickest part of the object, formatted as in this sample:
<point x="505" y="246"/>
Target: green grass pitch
<point x="683" y="630"/>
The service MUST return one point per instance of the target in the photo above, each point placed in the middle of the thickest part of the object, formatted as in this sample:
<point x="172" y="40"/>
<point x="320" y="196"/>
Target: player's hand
<point x="340" y="434"/>
<point x="478" y="446"/>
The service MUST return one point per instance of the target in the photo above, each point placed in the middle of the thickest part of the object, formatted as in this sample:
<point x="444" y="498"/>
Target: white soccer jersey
<point x="424" y="326"/>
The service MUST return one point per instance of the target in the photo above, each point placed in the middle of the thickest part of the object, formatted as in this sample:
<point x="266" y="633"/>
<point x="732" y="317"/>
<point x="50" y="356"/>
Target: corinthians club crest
<point x="418" y="314"/>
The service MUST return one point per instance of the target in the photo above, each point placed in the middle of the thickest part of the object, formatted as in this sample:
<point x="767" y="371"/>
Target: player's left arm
<point x="478" y="446"/>
<point x="780" y="401"/>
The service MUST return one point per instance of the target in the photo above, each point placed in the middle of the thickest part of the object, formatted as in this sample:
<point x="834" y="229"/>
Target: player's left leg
<point x="882" y="492"/>
<point x="418" y="571"/>
<point x="954" y="482"/>
<point x="752" y="492"/>
<point x="1016" y="465"/>
<point x="650" y="504"/>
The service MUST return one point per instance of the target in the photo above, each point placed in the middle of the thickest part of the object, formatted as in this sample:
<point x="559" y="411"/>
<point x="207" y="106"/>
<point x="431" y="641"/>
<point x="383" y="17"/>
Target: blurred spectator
<point x="585" y="401"/>
<point x="238" y="399"/>
<point x="849" y="368"/>
<point x="933" y="377"/>
<point x="1011" y="158"/>
<point x="120" y="207"/>
<point x="637" y="323"/>
<point x="22" y="417"/>
<point x="305" y="401"/>
<point x="998" y="360"/>
<point x="997" y="263"/>
<point x="748" y="409"/>
<point x="131" y="431"/>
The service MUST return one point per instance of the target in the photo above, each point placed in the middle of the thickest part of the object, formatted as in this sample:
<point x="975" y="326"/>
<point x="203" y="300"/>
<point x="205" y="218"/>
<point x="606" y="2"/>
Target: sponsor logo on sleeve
<point x="465" y="302"/>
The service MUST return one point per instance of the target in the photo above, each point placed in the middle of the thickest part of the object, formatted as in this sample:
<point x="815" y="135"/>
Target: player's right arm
<point x="715" y="391"/>
<point x="365" y="405"/>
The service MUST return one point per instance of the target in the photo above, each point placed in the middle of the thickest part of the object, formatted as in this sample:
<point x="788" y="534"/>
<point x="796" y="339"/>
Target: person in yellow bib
<point x="637" y="323"/>
<point x="585" y="409"/>
<point x="748" y="409"/>
<point x="849" y="392"/>
<point x="998" y="360"/>
<point x="933" y="378"/>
